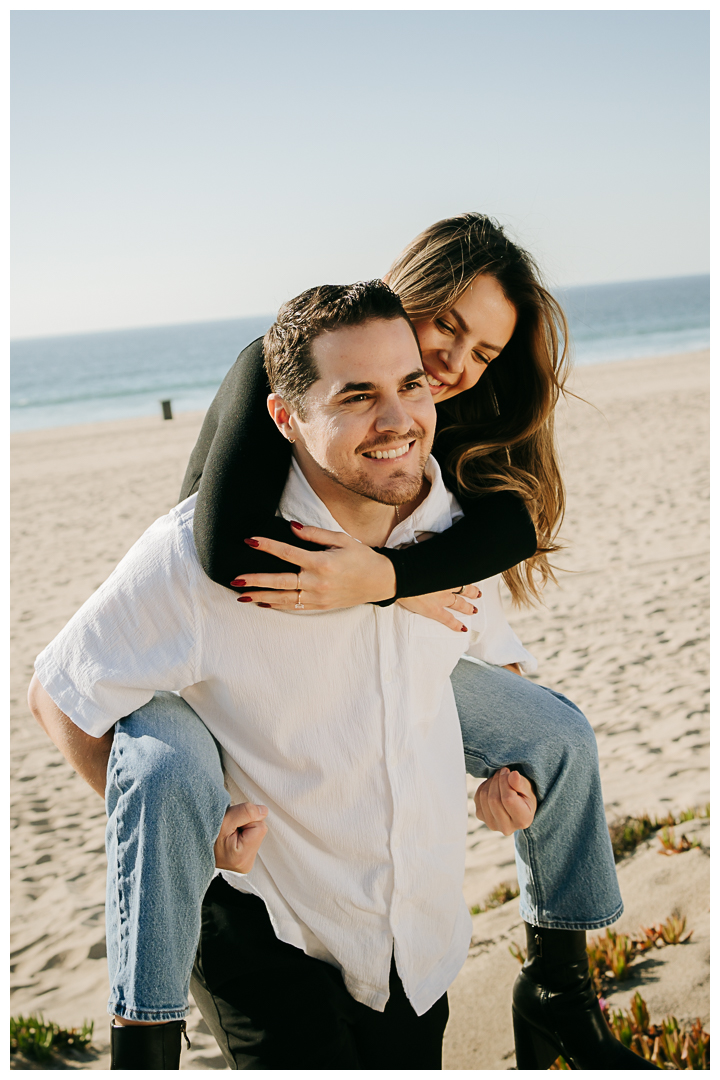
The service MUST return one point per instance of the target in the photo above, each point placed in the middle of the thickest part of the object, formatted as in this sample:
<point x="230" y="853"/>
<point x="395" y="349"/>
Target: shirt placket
<point x="391" y="689"/>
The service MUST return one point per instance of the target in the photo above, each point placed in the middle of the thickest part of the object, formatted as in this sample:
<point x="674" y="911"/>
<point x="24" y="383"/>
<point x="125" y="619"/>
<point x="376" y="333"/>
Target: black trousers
<point x="270" y="1006"/>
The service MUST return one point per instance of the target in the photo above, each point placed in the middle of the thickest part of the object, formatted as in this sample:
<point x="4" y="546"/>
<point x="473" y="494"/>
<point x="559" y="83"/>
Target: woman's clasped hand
<point x="346" y="573"/>
<point x="445" y="606"/>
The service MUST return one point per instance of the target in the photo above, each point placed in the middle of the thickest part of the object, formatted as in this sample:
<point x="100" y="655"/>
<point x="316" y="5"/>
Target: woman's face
<point x="458" y="344"/>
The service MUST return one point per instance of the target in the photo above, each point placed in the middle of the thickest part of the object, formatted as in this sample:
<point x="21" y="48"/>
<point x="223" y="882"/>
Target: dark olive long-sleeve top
<point x="243" y="461"/>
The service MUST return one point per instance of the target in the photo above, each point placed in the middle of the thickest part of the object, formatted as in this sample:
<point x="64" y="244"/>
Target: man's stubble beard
<point x="407" y="488"/>
<point x="397" y="495"/>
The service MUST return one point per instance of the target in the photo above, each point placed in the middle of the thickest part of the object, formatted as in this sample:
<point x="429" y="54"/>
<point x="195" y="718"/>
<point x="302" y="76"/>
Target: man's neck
<point x="368" y="521"/>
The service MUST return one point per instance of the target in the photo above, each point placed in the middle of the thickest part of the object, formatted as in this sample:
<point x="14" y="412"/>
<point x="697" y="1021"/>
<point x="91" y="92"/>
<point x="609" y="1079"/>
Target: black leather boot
<point x="556" y="1011"/>
<point x="146" y="1046"/>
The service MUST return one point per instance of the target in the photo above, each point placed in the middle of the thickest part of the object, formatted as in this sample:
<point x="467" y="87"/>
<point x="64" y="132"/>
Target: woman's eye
<point x="481" y="359"/>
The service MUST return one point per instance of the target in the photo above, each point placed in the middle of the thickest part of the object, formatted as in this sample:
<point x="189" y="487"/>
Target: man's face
<point x="369" y="418"/>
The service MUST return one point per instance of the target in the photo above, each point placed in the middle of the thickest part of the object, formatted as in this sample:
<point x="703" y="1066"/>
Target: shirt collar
<point x="434" y="514"/>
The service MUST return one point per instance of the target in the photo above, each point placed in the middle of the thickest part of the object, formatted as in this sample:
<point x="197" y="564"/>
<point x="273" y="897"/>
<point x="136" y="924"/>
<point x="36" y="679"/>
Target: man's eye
<point x="445" y="326"/>
<point x="356" y="397"/>
<point x="414" y="385"/>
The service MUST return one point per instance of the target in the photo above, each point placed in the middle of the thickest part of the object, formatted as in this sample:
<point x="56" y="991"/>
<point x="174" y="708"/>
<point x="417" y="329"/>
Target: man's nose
<point x="393" y="416"/>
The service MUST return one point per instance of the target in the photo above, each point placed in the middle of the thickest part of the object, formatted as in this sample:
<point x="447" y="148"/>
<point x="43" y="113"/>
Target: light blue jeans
<point x="166" y="801"/>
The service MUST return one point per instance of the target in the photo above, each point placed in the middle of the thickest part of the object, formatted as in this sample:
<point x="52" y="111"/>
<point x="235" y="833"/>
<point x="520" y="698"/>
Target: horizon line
<point x="265" y="315"/>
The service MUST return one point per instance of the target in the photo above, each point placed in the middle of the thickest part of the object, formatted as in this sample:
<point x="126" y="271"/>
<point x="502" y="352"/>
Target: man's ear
<point x="283" y="416"/>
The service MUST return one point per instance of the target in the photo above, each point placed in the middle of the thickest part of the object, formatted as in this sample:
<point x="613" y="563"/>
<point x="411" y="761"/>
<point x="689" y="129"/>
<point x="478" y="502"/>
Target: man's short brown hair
<point x="287" y="345"/>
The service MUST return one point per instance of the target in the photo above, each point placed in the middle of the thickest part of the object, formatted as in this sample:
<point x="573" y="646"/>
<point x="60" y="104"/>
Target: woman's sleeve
<point x="239" y="467"/>
<point x="496" y="533"/>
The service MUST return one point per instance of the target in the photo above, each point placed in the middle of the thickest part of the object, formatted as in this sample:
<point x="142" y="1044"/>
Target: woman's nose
<point x="453" y="359"/>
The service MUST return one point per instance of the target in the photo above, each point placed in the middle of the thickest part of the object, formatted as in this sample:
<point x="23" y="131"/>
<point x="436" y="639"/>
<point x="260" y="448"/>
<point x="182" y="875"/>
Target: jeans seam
<point x="583" y="924"/>
<point x="149" y="1015"/>
<point x="123" y="922"/>
<point x="473" y="755"/>
<point x="532" y="858"/>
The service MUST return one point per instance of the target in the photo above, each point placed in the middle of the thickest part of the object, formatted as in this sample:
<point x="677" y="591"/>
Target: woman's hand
<point x="506" y="802"/>
<point x="435" y="605"/>
<point x="242" y="832"/>
<point x="346" y="574"/>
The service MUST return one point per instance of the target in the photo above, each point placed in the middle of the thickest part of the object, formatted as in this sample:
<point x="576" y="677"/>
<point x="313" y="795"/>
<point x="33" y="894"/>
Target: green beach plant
<point x="610" y="957"/>
<point x="672" y="931"/>
<point x="671" y="846"/>
<point x="628" y="833"/>
<point x="611" y="954"/>
<point x="517" y="952"/>
<point x="38" y="1040"/>
<point x="667" y="1044"/>
<point x="500" y="895"/>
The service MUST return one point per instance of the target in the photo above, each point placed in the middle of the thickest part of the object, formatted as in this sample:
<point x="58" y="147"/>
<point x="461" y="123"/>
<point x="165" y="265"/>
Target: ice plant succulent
<point x="501" y="894"/>
<point x="611" y="954"/>
<point x="629" y="832"/>
<point x="666" y="1044"/>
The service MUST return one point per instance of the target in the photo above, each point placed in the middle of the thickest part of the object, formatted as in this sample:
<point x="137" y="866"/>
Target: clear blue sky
<point x="174" y="166"/>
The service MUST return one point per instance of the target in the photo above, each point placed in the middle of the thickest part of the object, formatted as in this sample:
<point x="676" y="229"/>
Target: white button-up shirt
<point x="343" y="723"/>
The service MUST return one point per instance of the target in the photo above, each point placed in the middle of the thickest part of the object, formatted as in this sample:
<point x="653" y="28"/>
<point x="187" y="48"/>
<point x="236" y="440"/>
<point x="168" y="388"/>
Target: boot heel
<point x="532" y="1050"/>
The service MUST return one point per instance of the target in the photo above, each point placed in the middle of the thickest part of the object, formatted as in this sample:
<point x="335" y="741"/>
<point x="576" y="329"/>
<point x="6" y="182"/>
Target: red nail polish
<point x="238" y="581"/>
<point x="252" y="543"/>
<point x="263" y="605"/>
<point x="245" y="600"/>
<point x="296" y="525"/>
<point x="464" y="628"/>
<point x="474" y="609"/>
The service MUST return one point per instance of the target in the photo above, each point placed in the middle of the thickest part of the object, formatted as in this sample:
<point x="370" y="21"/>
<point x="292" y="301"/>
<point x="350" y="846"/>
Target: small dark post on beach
<point x="167" y="411"/>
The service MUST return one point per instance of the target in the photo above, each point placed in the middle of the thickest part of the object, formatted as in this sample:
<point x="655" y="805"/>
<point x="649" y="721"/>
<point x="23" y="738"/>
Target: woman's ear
<point x="283" y="417"/>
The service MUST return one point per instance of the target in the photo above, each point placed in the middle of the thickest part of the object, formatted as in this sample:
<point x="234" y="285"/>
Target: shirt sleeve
<point x="239" y="467"/>
<point x="137" y="634"/>
<point x="496" y="533"/>
<point x="496" y="642"/>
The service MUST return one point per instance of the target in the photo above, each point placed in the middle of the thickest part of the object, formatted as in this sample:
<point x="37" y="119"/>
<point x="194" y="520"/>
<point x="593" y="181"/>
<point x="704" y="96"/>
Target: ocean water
<point x="84" y="378"/>
<point x="638" y="318"/>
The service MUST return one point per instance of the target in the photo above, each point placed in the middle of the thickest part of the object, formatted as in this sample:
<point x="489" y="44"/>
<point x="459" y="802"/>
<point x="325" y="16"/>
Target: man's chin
<point x="393" y="491"/>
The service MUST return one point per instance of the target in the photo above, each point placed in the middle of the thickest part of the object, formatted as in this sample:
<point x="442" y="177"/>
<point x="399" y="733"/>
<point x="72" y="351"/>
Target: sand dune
<point x="625" y="636"/>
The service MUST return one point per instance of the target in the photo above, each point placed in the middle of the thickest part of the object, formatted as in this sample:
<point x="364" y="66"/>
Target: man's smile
<point x="390" y="452"/>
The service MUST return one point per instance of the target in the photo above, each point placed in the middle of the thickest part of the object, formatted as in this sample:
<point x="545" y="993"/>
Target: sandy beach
<point x="625" y="636"/>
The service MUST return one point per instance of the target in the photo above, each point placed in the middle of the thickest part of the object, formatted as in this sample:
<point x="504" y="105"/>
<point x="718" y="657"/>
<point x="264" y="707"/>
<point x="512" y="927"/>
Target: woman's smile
<point x="436" y="385"/>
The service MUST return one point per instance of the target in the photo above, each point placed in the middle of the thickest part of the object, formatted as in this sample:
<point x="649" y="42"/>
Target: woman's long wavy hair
<point x="499" y="435"/>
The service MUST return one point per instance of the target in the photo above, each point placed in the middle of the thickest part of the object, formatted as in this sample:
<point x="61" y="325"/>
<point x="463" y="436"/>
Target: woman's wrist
<point x="386" y="582"/>
<point x="393" y="556"/>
